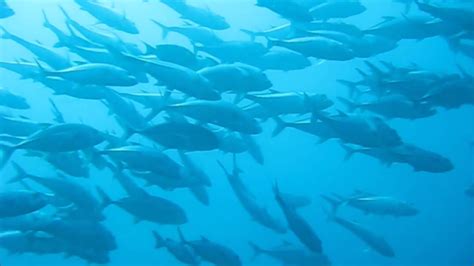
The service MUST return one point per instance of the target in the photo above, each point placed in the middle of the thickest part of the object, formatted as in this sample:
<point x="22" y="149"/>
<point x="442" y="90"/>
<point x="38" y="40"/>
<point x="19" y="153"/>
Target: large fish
<point x="146" y="207"/>
<point x="15" y="203"/>
<point x="300" y="227"/>
<point x="317" y="46"/>
<point x="248" y="201"/>
<point x="182" y="135"/>
<point x="57" y="138"/>
<point x="11" y="100"/>
<point x="289" y="254"/>
<point x="108" y="16"/>
<point x="420" y="159"/>
<point x="212" y="252"/>
<point x="195" y="34"/>
<point x="219" y="113"/>
<point x="65" y="39"/>
<point x="100" y="38"/>
<point x="237" y="77"/>
<point x="94" y="74"/>
<point x="372" y="204"/>
<point x="374" y="241"/>
<point x="284" y="103"/>
<point x="179" y="250"/>
<point x="68" y="189"/>
<point x="5" y="10"/>
<point x="44" y="53"/>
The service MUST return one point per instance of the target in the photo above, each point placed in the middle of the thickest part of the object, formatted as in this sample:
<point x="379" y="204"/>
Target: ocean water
<point x="441" y="234"/>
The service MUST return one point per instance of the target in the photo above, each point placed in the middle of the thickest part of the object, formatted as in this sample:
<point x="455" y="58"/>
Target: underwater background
<point x="442" y="233"/>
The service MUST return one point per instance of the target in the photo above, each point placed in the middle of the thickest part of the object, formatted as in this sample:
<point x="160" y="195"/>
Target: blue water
<point x="441" y="234"/>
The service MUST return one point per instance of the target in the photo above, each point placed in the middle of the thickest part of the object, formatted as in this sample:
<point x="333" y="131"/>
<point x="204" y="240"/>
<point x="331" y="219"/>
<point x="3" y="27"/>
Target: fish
<point x="234" y="51"/>
<point x="318" y="129"/>
<point x="19" y="126"/>
<point x="237" y="77"/>
<point x="57" y="138"/>
<point x="393" y="106"/>
<point x="374" y="241"/>
<point x="289" y="254"/>
<point x="177" y="77"/>
<point x="273" y="58"/>
<point x="108" y="16"/>
<point x="284" y="103"/>
<point x="179" y="250"/>
<point x="219" y="113"/>
<point x="20" y="202"/>
<point x="418" y="158"/>
<point x="181" y="135"/>
<point x="26" y="70"/>
<point x="470" y="191"/>
<point x="316" y="46"/>
<point x="11" y="100"/>
<point x="247" y="199"/>
<point x="300" y="227"/>
<point x="99" y="37"/>
<point x="372" y="204"/>
<point x="146" y="159"/>
<point x="212" y="252"/>
<point x="93" y="74"/>
<point x="290" y="10"/>
<point x="455" y="15"/>
<point x="146" y="207"/>
<point x="364" y="131"/>
<point x="68" y="189"/>
<point x="44" y="53"/>
<point x="5" y="10"/>
<point x="125" y="112"/>
<point x="336" y="9"/>
<point x="196" y="34"/>
<point x="64" y="39"/>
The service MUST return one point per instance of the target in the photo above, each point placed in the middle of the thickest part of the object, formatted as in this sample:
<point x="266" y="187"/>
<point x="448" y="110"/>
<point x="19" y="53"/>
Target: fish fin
<point x="251" y="34"/>
<point x="159" y="241"/>
<point x="106" y="200"/>
<point x="350" y="105"/>
<point x="256" y="250"/>
<point x="164" y="29"/>
<point x="20" y="175"/>
<point x="181" y="235"/>
<point x="6" y="34"/>
<point x="280" y="126"/>
<point x="335" y="203"/>
<point x="7" y="154"/>
<point x="349" y="151"/>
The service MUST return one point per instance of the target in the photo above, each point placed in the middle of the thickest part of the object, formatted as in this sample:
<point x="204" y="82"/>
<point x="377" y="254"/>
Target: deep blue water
<point x="441" y="234"/>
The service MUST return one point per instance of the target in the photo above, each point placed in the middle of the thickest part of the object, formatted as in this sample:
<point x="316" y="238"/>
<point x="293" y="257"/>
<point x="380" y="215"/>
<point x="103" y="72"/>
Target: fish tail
<point x="149" y="49"/>
<point x="181" y="235"/>
<point x="165" y="30"/>
<point x="159" y="241"/>
<point x="335" y="203"/>
<point x="20" y="174"/>
<point x="46" y="22"/>
<point x="280" y="126"/>
<point x="7" y="154"/>
<point x="352" y="86"/>
<point x="256" y="250"/>
<point x="68" y="18"/>
<point x="251" y="34"/>
<point x="6" y="34"/>
<point x="106" y="200"/>
<point x="350" y="105"/>
<point x="200" y="193"/>
<point x="349" y="151"/>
